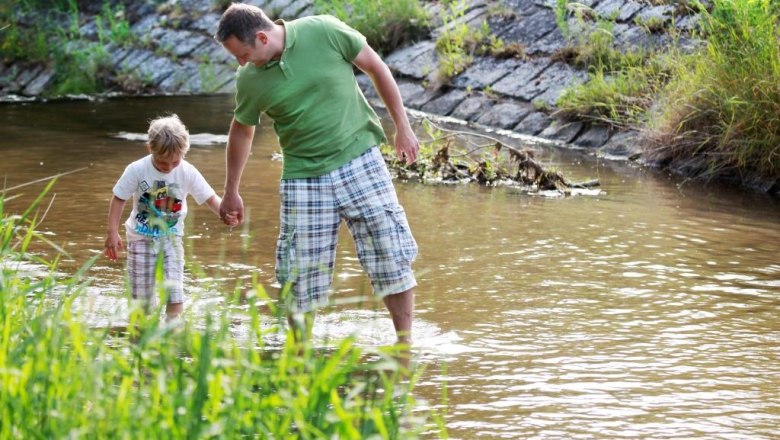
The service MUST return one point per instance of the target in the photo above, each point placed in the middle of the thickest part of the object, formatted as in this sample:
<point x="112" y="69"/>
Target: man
<point x="300" y="74"/>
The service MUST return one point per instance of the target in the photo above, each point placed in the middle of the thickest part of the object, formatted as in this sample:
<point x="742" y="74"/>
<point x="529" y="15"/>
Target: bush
<point x="721" y="113"/>
<point x="386" y="24"/>
<point x="48" y="32"/>
<point x="620" y="85"/>
<point x="618" y="97"/>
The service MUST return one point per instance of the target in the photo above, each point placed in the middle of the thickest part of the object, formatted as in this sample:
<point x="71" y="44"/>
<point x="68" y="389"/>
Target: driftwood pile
<point x="493" y="164"/>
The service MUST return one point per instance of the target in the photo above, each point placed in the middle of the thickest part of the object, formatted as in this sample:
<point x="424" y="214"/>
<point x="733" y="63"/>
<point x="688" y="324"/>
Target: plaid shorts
<point x="142" y="260"/>
<point x="362" y="193"/>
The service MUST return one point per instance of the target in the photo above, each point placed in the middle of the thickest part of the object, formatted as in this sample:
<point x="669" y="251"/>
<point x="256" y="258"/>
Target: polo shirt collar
<point x="289" y="42"/>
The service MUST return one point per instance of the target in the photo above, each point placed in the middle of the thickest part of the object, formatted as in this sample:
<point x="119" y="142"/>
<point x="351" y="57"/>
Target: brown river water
<point x="648" y="310"/>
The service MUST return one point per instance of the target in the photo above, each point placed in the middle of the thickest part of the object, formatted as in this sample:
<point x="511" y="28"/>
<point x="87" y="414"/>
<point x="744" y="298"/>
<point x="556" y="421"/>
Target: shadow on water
<point x="646" y="311"/>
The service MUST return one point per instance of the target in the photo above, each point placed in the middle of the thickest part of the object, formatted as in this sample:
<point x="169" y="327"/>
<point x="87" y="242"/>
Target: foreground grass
<point x="61" y="379"/>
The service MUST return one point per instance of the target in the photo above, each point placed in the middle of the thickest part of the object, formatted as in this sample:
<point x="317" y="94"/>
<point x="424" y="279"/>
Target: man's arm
<point x="406" y="144"/>
<point x="236" y="154"/>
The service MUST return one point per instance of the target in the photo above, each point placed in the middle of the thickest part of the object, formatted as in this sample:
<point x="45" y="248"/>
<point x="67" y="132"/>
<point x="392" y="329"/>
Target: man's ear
<point x="261" y="36"/>
<point x="148" y="148"/>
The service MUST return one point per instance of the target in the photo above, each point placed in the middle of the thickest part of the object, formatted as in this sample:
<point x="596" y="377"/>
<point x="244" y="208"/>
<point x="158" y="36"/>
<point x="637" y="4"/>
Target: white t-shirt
<point x="159" y="199"/>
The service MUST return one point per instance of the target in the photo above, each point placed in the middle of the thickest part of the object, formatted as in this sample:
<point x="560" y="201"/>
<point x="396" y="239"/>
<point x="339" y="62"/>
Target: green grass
<point x="720" y="114"/>
<point x="618" y="96"/>
<point x="621" y="85"/>
<point x="713" y="112"/>
<point x="50" y="34"/>
<point x="59" y="378"/>
<point x="386" y="24"/>
<point x="459" y="43"/>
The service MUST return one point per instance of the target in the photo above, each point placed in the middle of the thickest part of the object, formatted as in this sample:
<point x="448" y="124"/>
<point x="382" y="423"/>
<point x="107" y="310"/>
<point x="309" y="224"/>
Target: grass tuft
<point x="720" y="115"/>
<point x="49" y="32"/>
<point x="386" y="24"/>
<point x="59" y="378"/>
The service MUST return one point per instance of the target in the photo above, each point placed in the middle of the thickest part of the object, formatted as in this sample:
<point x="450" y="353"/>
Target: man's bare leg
<point x="302" y="325"/>
<point x="172" y="311"/>
<point x="401" y="308"/>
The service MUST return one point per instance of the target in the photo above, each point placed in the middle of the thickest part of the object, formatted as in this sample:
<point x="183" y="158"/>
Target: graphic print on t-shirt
<point x="158" y="209"/>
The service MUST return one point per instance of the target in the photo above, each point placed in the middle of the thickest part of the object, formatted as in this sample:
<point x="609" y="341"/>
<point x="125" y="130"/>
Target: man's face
<point x="247" y="53"/>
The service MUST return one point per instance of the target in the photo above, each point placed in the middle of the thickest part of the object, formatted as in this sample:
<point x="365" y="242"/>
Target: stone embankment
<point x="174" y="53"/>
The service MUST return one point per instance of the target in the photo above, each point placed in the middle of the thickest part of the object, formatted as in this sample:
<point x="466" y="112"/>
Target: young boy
<point x="158" y="184"/>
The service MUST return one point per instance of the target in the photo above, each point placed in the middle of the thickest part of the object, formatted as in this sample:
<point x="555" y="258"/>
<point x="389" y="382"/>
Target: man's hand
<point x="406" y="146"/>
<point x="230" y="219"/>
<point x="113" y="246"/>
<point x="231" y="210"/>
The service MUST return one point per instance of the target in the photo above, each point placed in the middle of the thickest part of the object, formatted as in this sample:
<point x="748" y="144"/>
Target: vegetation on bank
<point x="712" y="111"/>
<point x="386" y="24"/>
<point x="708" y="109"/>
<point x="83" y="65"/>
<point x="459" y="42"/>
<point x="59" y="378"/>
<point x="49" y="32"/>
<point x="390" y="24"/>
<point x="720" y="114"/>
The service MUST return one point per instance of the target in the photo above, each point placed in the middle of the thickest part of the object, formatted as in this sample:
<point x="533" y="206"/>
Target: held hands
<point x="406" y="145"/>
<point x="231" y="210"/>
<point x="230" y="218"/>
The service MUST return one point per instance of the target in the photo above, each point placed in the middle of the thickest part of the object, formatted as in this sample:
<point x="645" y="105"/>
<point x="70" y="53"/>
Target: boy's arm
<point x="406" y="144"/>
<point x="214" y="202"/>
<point x="113" y="241"/>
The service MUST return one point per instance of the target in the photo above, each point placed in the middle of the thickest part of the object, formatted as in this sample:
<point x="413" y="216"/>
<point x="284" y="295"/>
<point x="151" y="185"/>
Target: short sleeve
<point x="198" y="187"/>
<point x="247" y="111"/>
<point x="127" y="184"/>
<point x="348" y="41"/>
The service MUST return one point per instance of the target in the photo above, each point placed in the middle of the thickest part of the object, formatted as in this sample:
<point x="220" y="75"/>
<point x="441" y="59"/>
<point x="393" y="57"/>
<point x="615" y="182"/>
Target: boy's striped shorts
<point x="142" y="260"/>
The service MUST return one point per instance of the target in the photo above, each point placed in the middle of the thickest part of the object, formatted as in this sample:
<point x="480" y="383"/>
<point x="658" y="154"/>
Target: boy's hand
<point x="113" y="245"/>
<point x="233" y="205"/>
<point x="231" y="218"/>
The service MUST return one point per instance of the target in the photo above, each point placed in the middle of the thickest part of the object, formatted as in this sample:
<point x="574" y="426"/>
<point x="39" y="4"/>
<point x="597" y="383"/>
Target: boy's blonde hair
<point x="168" y="135"/>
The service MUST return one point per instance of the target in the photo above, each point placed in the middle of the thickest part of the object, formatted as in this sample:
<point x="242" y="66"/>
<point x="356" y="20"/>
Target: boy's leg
<point x="141" y="267"/>
<point x="173" y="270"/>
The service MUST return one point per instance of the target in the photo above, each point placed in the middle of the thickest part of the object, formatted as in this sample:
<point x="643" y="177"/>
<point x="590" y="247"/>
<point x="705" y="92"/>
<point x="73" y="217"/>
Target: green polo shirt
<point x="319" y="113"/>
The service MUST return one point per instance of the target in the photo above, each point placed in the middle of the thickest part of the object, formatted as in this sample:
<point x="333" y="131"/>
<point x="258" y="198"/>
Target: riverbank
<point x="524" y="67"/>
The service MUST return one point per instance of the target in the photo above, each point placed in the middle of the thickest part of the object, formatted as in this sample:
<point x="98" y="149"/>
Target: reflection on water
<point x="647" y="311"/>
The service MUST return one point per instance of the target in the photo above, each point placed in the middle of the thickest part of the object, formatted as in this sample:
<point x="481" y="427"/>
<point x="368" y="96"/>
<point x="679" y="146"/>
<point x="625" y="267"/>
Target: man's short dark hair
<point x="242" y="21"/>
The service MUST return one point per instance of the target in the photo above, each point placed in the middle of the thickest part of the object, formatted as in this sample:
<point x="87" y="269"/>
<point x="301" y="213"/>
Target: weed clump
<point x="386" y="24"/>
<point x="720" y="114"/>
<point x="59" y="378"/>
